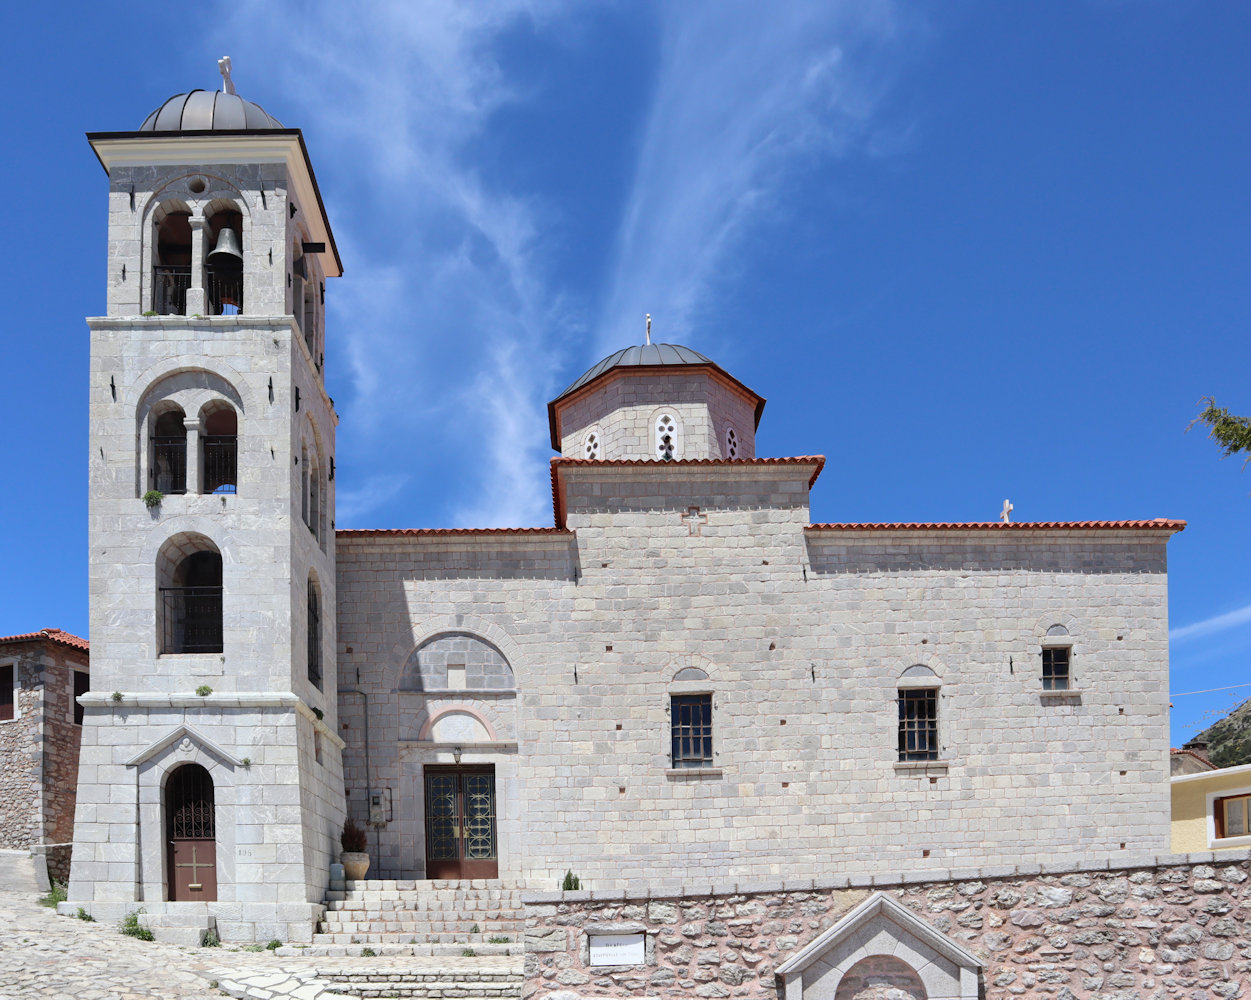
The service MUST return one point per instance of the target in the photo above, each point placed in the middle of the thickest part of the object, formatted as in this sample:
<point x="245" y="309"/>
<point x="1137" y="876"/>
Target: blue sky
<point x="967" y="251"/>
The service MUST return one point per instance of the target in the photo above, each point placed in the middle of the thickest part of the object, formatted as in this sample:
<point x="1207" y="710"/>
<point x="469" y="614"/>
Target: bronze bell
<point x="227" y="252"/>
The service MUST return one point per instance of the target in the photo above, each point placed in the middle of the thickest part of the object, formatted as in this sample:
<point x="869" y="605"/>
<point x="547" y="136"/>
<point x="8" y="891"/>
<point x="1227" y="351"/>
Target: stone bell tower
<point x="210" y="788"/>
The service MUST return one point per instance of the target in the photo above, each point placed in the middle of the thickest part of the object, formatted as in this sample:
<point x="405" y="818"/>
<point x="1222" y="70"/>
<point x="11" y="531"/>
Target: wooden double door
<point x="461" y="836"/>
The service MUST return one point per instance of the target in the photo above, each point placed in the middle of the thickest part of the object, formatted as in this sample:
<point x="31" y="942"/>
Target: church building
<point x="682" y="680"/>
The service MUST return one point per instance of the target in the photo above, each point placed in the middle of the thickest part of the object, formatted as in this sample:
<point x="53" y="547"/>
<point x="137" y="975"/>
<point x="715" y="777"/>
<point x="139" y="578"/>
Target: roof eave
<point x="100" y="142"/>
<point x="623" y="371"/>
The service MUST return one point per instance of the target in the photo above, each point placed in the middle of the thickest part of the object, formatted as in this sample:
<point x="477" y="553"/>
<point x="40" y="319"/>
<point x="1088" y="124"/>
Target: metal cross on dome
<point x="223" y="67"/>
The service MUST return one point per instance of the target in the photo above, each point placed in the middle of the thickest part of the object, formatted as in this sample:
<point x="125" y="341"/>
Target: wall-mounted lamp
<point x="456" y="752"/>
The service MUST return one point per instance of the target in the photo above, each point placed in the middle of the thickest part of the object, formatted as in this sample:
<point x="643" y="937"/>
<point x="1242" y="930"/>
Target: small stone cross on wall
<point x="694" y="521"/>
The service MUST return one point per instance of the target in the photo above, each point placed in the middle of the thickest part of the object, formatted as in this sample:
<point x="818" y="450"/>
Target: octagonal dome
<point x="209" y="111"/>
<point x="640" y="356"/>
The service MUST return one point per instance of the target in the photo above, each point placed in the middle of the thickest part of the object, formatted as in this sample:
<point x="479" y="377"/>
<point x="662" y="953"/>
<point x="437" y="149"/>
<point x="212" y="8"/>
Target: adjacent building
<point x="41" y="676"/>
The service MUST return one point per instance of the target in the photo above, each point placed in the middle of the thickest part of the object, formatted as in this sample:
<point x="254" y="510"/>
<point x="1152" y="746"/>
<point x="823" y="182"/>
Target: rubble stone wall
<point x="1175" y="926"/>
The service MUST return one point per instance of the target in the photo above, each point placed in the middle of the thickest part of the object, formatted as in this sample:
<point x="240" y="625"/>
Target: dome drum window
<point x="666" y="438"/>
<point x="590" y="446"/>
<point x="732" y="447"/>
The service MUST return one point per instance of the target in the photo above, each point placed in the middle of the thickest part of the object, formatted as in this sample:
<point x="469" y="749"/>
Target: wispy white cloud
<point x="448" y="321"/>
<point x="1211" y="626"/>
<point x="444" y="315"/>
<point x="748" y="95"/>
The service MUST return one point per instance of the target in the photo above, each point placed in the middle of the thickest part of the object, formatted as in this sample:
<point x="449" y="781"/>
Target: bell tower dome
<point x="211" y="532"/>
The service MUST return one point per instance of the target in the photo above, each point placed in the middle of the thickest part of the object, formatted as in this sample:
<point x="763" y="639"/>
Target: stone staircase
<point x="423" y="917"/>
<point x="498" y="983"/>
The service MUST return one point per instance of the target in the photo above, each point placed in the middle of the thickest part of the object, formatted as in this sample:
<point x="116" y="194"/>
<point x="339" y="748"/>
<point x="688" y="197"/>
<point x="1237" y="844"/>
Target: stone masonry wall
<point x="61" y="738"/>
<point x="1175" y="926"/>
<point x="21" y="769"/>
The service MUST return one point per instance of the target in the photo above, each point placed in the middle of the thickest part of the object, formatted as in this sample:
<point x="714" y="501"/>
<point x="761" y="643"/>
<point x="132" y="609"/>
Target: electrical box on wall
<point x="379" y="806"/>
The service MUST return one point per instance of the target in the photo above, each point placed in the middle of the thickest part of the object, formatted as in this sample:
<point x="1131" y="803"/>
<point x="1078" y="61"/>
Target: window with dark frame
<point x="82" y="684"/>
<point x="314" y="636"/>
<point x="691" y="723"/>
<point x="1055" y="668"/>
<point x="8" y="697"/>
<point x="1233" y="815"/>
<point x="918" y="724"/>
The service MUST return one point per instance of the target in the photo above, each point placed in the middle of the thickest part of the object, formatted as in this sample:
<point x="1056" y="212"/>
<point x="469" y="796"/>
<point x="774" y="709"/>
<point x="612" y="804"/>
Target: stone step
<point x="409" y="885"/>
<point x="435" y="923"/>
<point x="370" y="935"/>
<point x="511" y="899"/>
<point x="427" y="950"/>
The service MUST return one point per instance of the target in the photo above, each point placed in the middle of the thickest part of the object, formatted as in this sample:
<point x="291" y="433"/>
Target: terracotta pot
<point x="355" y="864"/>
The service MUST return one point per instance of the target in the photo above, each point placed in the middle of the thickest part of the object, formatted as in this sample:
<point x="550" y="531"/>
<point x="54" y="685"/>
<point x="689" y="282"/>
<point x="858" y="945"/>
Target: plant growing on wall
<point x="153" y="498"/>
<point x="571" y="883"/>
<point x="204" y="690"/>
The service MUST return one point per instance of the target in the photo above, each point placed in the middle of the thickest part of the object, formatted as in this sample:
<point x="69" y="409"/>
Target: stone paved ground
<point x="49" y="957"/>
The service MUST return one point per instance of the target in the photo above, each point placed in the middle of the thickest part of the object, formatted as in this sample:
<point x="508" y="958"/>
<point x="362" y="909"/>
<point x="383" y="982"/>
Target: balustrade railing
<point x="169" y="464"/>
<point x="223" y="291"/>
<point x="220" y="463"/>
<point x="169" y="289"/>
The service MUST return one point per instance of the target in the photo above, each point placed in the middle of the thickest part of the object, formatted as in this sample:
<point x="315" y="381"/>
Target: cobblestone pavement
<point x="49" y="957"/>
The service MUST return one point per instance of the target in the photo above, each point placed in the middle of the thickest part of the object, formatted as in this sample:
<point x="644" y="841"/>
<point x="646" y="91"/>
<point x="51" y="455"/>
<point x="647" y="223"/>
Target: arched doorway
<point x="191" y="836"/>
<point x="881" y="977"/>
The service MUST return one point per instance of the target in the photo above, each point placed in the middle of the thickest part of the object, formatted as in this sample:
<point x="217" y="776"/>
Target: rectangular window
<point x="918" y="724"/>
<point x="1055" y="664"/>
<point x="8" y="696"/>
<point x="1232" y="816"/>
<point x="691" y="722"/>
<point x="82" y="684"/>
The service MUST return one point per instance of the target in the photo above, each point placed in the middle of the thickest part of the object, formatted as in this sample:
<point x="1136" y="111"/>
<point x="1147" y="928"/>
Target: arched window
<point x="313" y="488"/>
<point x="304" y="483"/>
<point x="732" y="448"/>
<point x="917" y="700"/>
<point x="168" y="466"/>
<point x="223" y="261"/>
<point x="219" y="448"/>
<point x="314" y="633"/>
<point x="171" y="260"/>
<point x="666" y="438"/>
<point x="190" y="829"/>
<point x="189" y="572"/>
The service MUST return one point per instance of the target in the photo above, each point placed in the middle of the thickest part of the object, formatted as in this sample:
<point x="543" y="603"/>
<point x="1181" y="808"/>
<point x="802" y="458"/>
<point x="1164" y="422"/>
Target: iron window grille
<point x="169" y="289"/>
<point x="918" y="724"/>
<point x="1055" y="668"/>
<point x="223" y="291"/>
<point x="220" y="463"/>
<point x="169" y="464"/>
<point x="190" y="793"/>
<point x="691" y="723"/>
<point x="192" y="619"/>
<point x="8" y="696"/>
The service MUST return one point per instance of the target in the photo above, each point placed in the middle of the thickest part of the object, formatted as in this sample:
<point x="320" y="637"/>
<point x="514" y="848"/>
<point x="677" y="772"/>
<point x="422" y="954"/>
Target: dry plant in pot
<point x="354" y="859"/>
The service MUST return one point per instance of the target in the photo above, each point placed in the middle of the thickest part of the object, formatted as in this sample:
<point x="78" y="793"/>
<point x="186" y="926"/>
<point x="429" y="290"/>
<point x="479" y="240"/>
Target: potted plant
<point x="354" y="859"/>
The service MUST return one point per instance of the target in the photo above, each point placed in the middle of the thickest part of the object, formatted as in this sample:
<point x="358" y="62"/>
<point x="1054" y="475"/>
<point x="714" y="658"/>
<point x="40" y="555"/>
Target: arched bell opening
<point x="223" y="260"/>
<point x="190" y="835"/>
<point x="171" y="259"/>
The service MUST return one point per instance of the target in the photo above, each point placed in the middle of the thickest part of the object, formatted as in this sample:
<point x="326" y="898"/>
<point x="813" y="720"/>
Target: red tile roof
<point x="56" y="635"/>
<point x="1201" y="758"/>
<point x="437" y="532"/>
<point x="1158" y="524"/>
<point x="558" y="506"/>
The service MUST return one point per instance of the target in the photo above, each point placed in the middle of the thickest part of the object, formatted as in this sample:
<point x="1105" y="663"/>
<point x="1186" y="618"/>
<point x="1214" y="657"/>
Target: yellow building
<point x="1212" y="810"/>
